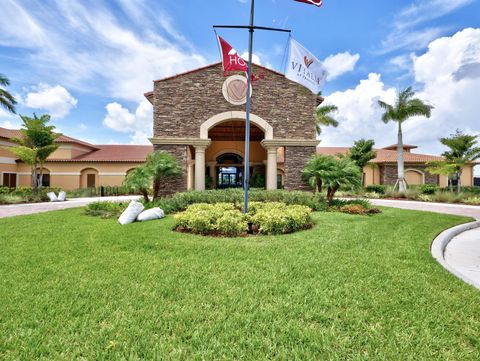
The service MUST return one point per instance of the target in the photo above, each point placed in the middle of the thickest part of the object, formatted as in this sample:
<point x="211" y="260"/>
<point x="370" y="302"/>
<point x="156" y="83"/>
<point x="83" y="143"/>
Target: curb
<point x="440" y="243"/>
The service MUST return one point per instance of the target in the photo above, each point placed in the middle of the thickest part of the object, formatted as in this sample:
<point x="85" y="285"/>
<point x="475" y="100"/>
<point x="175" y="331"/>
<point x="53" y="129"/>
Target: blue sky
<point x="89" y="62"/>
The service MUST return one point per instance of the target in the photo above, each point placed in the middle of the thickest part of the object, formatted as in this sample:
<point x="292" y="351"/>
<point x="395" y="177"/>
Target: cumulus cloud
<point x="138" y="123"/>
<point x="447" y="78"/>
<point x="340" y="64"/>
<point x="96" y="49"/>
<point x="56" y="100"/>
<point x="255" y="57"/>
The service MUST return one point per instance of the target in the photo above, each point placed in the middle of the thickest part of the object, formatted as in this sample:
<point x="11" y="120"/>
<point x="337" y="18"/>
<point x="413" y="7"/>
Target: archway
<point x="89" y="178"/>
<point x="236" y="115"/>
<point x="229" y="171"/>
<point x="414" y="177"/>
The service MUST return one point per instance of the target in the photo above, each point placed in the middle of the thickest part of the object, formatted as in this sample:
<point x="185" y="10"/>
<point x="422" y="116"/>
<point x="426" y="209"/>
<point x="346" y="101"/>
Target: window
<point x="10" y="180"/>
<point x="45" y="180"/>
<point x="91" y="181"/>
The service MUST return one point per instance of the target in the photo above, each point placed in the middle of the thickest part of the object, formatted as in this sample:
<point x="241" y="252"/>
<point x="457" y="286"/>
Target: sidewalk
<point x="31" y="208"/>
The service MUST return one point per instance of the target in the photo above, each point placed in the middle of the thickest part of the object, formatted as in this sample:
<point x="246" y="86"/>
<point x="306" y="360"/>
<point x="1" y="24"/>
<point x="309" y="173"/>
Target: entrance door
<point x="229" y="177"/>
<point x="90" y="180"/>
<point x="10" y="180"/>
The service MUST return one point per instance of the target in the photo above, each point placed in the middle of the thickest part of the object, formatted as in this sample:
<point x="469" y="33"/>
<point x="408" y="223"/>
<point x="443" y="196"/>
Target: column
<point x="271" y="168"/>
<point x="213" y="173"/>
<point x="200" y="167"/>
<point x="190" y="175"/>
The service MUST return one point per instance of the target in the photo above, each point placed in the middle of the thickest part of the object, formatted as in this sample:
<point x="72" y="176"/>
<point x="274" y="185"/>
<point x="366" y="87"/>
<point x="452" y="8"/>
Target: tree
<point x="323" y="117"/>
<point x="6" y="99"/>
<point x="316" y="170"/>
<point x="331" y="172"/>
<point x="35" y="145"/>
<point x="362" y="153"/>
<point x="463" y="150"/>
<point x="162" y="165"/>
<point x="406" y="106"/>
<point x="139" y="180"/>
<point x="443" y="168"/>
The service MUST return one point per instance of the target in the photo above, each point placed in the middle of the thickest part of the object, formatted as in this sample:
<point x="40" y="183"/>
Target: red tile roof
<point x="113" y="153"/>
<point x="16" y="133"/>
<point x="383" y="155"/>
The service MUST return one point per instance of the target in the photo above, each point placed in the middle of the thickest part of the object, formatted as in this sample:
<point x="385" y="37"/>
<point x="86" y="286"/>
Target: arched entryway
<point x="229" y="171"/>
<point x="414" y="177"/>
<point x="89" y="178"/>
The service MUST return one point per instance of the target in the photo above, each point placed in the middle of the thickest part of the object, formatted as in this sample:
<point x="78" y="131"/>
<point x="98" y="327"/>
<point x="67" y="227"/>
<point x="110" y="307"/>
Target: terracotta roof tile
<point x="113" y="153"/>
<point x="383" y="155"/>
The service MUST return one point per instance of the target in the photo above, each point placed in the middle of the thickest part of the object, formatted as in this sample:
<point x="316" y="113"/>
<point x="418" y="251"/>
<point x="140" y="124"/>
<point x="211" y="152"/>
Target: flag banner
<point x="230" y="59"/>
<point x="304" y="68"/>
<point x="313" y="2"/>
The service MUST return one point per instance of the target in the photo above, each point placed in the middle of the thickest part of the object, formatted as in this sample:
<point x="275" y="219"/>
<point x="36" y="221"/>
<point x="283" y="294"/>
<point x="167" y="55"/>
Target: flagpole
<point x="246" y="160"/>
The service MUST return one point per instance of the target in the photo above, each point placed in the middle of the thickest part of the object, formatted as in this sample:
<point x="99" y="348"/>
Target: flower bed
<point x="225" y="219"/>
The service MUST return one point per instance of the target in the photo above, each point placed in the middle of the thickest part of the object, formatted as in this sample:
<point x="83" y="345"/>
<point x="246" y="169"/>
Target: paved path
<point x="457" y="209"/>
<point x="30" y="208"/>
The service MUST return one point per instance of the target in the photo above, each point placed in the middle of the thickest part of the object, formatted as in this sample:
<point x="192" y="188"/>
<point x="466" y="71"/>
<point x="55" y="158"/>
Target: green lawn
<point x="352" y="288"/>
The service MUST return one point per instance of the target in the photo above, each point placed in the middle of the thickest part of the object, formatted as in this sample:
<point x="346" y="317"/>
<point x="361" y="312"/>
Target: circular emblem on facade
<point x="235" y="89"/>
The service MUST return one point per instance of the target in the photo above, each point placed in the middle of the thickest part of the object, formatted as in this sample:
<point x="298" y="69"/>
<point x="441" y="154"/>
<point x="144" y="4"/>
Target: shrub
<point x="337" y="203"/>
<point x="471" y="190"/>
<point x="105" y="209"/>
<point x="373" y="195"/>
<point x="219" y="218"/>
<point x="446" y="197"/>
<point x="472" y="200"/>
<point x="4" y="190"/>
<point x="180" y="201"/>
<point x="429" y="188"/>
<point x="279" y="218"/>
<point x="375" y="188"/>
<point x="10" y="199"/>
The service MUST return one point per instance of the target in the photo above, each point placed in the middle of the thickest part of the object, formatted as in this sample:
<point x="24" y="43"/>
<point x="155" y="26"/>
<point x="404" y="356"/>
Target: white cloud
<point x="93" y="49"/>
<point x="448" y="78"/>
<point x="255" y="57"/>
<point x="56" y="100"/>
<point x="340" y="64"/>
<point x="405" y="32"/>
<point x="137" y="124"/>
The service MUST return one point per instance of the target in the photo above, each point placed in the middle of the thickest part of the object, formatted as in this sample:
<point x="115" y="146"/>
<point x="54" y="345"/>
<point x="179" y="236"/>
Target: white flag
<point x="304" y="68"/>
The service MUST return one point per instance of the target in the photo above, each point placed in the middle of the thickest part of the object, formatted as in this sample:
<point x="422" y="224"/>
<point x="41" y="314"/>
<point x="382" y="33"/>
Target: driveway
<point x="31" y="208"/>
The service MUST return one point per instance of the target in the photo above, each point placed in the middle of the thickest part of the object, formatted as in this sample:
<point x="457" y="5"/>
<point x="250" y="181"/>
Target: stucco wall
<point x="257" y="152"/>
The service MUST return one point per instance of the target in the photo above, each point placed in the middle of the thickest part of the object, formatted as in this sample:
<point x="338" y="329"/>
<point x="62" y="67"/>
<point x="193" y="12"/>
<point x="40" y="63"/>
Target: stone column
<point x="213" y="173"/>
<point x="190" y="175"/>
<point x="200" y="167"/>
<point x="271" y="181"/>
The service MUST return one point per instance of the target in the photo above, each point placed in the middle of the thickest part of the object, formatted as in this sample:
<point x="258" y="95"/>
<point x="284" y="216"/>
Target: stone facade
<point x="181" y="104"/>
<point x="171" y="185"/>
<point x="389" y="174"/>
<point x="295" y="160"/>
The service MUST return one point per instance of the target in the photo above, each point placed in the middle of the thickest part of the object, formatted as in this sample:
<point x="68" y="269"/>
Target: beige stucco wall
<point x="371" y="175"/>
<point x="257" y="152"/>
<point x="414" y="177"/>
<point x="62" y="153"/>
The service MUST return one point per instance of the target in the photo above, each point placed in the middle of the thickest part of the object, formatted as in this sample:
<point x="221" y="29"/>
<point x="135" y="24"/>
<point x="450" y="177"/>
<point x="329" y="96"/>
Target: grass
<point x="351" y="288"/>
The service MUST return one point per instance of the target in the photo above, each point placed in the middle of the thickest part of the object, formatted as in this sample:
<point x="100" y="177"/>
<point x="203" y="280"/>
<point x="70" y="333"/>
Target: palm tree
<point x="162" y="165"/>
<point x="139" y="180"/>
<point x="315" y="170"/>
<point x="323" y="117"/>
<point x="406" y="106"/>
<point x="362" y="153"/>
<point x="6" y="99"/>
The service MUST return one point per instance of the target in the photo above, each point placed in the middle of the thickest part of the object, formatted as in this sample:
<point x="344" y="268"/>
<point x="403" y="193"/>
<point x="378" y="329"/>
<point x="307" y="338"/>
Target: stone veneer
<point x="389" y="174"/>
<point x="171" y="185"/>
<point x="182" y="103"/>
<point x="295" y="160"/>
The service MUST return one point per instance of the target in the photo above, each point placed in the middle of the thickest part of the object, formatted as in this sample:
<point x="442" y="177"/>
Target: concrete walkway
<point x="31" y="208"/>
<point x="461" y="254"/>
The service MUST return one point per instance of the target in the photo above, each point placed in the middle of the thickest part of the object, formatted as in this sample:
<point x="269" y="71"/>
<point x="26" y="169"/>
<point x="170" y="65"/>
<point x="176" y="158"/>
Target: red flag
<point x="313" y="2"/>
<point x="230" y="59"/>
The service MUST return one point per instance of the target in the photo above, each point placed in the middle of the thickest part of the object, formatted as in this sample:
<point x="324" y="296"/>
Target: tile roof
<point x="383" y="155"/>
<point x="113" y="153"/>
<point x="16" y="133"/>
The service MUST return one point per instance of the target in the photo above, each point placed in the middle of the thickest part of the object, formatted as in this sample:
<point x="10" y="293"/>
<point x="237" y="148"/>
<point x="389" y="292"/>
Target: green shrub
<point x="373" y="195"/>
<point x="106" y="209"/>
<point x="180" y="201"/>
<point x="472" y="200"/>
<point x="375" y="188"/>
<point x="429" y="188"/>
<point x="279" y="218"/>
<point x="4" y="190"/>
<point x="10" y="199"/>
<point x="446" y="197"/>
<point x="337" y="203"/>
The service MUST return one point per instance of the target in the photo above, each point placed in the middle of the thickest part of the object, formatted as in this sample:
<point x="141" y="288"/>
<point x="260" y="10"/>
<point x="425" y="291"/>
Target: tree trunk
<point x="459" y="181"/>
<point x="34" y="179"/>
<point x="156" y="189"/>
<point x="402" y="184"/>
<point x="330" y="194"/>
<point x="319" y="185"/>
<point x="145" y="195"/>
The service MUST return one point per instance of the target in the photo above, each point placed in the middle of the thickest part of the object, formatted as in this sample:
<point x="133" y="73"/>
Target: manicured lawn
<point x="352" y="288"/>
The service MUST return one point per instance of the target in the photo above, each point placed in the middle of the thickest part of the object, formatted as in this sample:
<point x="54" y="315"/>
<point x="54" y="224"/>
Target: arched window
<point x="229" y="158"/>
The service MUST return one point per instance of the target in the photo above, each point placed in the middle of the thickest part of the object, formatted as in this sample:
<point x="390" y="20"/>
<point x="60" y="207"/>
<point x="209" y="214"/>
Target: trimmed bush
<point x="429" y="188"/>
<point x="180" y="201"/>
<point x="472" y="200"/>
<point x="375" y="188"/>
<point x="105" y="209"/>
<point x="225" y="219"/>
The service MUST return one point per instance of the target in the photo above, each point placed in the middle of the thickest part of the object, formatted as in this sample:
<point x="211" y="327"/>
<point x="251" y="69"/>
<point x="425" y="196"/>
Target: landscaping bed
<point x="350" y="288"/>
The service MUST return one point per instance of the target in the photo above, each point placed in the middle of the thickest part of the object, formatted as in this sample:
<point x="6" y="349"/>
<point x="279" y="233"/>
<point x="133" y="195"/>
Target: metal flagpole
<point x="246" y="160"/>
<point x="251" y="28"/>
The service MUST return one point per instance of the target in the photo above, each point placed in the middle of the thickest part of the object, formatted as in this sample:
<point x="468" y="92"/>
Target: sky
<point x="88" y="63"/>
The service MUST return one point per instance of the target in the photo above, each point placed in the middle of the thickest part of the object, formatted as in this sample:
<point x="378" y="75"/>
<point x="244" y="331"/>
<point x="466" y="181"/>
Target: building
<point x="383" y="168"/>
<point x="199" y="117"/>
<point x="75" y="164"/>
